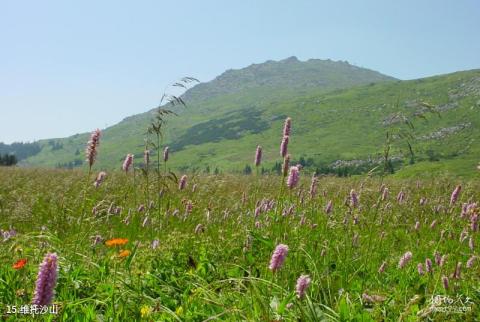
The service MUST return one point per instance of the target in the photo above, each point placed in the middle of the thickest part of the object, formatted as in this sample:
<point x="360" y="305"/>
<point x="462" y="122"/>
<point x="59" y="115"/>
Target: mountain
<point x="288" y="74"/>
<point x="341" y="115"/>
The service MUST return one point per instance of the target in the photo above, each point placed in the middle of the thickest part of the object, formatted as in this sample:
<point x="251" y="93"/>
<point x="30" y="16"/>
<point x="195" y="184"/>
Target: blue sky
<point x="69" y="67"/>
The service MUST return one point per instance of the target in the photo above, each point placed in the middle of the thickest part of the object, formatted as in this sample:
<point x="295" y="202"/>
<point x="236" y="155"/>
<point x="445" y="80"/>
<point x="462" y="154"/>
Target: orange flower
<point x="20" y="263"/>
<point x="116" y="242"/>
<point x="124" y="253"/>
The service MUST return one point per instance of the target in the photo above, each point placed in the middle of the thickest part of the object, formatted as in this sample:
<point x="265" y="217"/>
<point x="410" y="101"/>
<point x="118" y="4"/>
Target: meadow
<point x="368" y="248"/>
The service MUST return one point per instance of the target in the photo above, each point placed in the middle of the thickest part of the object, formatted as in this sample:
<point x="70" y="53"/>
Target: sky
<point x="69" y="67"/>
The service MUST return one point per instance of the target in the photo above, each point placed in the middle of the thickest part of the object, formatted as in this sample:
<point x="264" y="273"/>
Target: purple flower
<point x="46" y="280"/>
<point x="405" y="259"/>
<point x="455" y="194"/>
<point x="293" y="177"/>
<point x="474" y="222"/>
<point x="278" y="257"/>
<point x="353" y="199"/>
<point x="445" y="282"/>
<point x="165" y="154"/>
<point x="470" y="261"/>
<point x="100" y="177"/>
<point x="428" y="265"/>
<point x="128" y="162"/>
<point x="92" y="145"/>
<point x="302" y="284"/>
<point x="287" y="126"/>
<point x="420" y="269"/>
<point x="284" y="146"/>
<point x="438" y="257"/>
<point x="183" y="182"/>
<point x="258" y="155"/>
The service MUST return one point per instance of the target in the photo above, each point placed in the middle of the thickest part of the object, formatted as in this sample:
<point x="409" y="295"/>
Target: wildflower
<point x="128" y="162"/>
<point x="428" y="265"/>
<point x="385" y="194"/>
<point x="400" y="197"/>
<point x="405" y="259"/>
<point x="420" y="269"/>
<point x="471" y="244"/>
<point x="287" y="126"/>
<point x="155" y="244"/>
<point x="455" y="194"/>
<point x="258" y="155"/>
<point x="423" y="201"/>
<point x="124" y="253"/>
<point x="145" y="311"/>
<point x="20" y="264"/>
<point x="302" y="284"/>
<point x="183" y="182"/>
<point x="278" y="257"/>
<point x="188" y="207"/>
<point x="92" y="145"/>
<point x="433" y="224"/>
<point x="445" y="282"/>
<point x="194" y="188"/>
<point x="284" y="146"/>
<point x="165" y="154"/>
<point x="329" y="207"/>
<point x="141" y="208"/>
<point x="470" y="261"/>
<point x="353" y="199"/>
<point x="116" y="242"/>
<point x="97" y="239"/>
<point x="100" y="177"/>
<point x="474" y="222"/>
<point x="382" y="267"/>
<point x="438" y="258"/>
<point x="443" y="260"/>
<point x="456" y="273"/>
<point x="293" y="177"/>
<point x="46" y="280"/>
<point x="313" y="186"/>
<point x="417" y="225"/>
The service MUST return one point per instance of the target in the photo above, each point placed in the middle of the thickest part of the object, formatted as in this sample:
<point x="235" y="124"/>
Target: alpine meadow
<point x="284" y="190"/>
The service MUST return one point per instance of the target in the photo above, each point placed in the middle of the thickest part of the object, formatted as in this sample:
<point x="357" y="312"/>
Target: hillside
<point x="340" y="113"/>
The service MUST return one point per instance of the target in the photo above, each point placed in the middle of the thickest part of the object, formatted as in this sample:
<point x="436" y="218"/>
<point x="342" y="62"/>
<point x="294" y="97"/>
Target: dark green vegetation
<point x="221" y="271"/>
<point x="341" y="116"/>
<point x="8" y="159"/>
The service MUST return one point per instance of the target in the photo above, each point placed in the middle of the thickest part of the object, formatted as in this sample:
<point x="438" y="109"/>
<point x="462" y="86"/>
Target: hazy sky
<point x="68" y="67"/>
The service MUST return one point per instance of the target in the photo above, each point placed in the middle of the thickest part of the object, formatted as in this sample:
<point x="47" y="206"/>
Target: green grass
<point x="222" y="273"/>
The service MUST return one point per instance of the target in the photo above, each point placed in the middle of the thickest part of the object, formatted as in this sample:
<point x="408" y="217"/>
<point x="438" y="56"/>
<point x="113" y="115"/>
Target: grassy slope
<point x="327" y="126"/>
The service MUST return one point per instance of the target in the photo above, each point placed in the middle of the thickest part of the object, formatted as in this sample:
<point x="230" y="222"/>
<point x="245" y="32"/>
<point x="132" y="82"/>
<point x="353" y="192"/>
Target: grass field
<point x="204" y="255"/>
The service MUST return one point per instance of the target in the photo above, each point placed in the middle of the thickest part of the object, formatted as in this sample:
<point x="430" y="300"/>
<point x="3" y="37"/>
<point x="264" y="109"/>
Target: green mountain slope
<point x="340" y="118"/>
